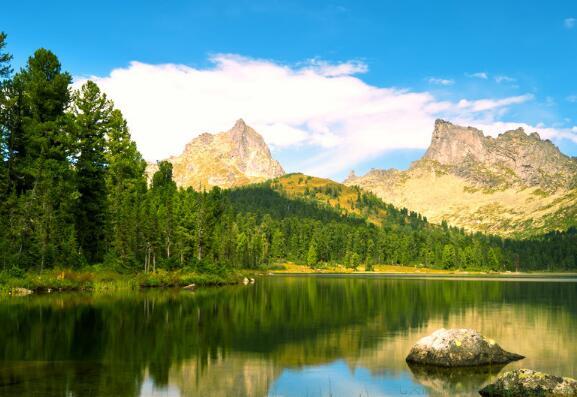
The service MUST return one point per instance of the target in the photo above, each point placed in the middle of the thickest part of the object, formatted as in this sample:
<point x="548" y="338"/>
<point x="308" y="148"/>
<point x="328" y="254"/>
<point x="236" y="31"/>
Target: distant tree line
<point x="73" y="192"/>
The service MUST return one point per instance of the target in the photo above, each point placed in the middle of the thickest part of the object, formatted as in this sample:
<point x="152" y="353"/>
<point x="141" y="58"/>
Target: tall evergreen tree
<point x="39" y="150"/>
<point x="92" y="112"/>
<point x="5" y="58"/>
<point x="126" y="186"/>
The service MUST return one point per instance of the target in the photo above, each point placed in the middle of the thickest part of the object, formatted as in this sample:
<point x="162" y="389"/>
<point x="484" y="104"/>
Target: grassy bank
<point x="108" y="280"/>
<point x="296" y="268"/>
<point x="397" y="269"/>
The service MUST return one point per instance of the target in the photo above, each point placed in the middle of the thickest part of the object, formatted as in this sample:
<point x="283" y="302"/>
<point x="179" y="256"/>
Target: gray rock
<point x="458" y="348"/>
<point x="20" y="291"/>
<point x="529" y="383"/>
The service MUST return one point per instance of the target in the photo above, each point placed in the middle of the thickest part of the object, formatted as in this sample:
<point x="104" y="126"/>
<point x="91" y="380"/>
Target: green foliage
<point x="312" y="257"/>
<point x="5" y="58"/>
<point x="92" y="113"/>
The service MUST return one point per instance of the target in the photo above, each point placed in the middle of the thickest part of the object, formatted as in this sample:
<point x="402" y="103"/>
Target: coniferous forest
<point x="73" y="193"/>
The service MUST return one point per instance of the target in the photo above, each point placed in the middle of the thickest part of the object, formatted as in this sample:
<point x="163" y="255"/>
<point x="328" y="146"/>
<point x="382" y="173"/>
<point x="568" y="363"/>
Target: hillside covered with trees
<point x="73" y="193"/>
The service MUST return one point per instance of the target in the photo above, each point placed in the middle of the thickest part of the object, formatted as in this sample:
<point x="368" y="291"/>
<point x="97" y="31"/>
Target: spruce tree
<point x="126" y="187"/>
<point x="40" y="172"/>
<point x="92" y="112"/>
<point x="5" y="58"/>
<point x="312" y="257"/>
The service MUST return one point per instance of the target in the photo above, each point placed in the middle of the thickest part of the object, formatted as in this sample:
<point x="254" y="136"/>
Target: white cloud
<point x="504" y="79"/>
<point x="572" y="98"/>
<point x="569" y="23"/>
<point x="478" y="75"/>
<point x="315" y="106"/>
<point x="440" y="81"/>
<point x="334" y="70"/>
<point x="490" y="104"/>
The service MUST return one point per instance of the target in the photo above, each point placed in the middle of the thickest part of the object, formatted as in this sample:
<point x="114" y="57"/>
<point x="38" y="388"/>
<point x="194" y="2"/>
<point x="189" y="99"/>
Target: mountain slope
<point x="346" y="200"/>
<point x="512" y="185"/>
<point x="232" y="158"/>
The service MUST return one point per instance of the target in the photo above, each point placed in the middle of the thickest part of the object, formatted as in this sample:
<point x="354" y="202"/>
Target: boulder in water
<point x="20" y="291"/>
<point x="529" y="383"/>
<point x="458" y="348"/>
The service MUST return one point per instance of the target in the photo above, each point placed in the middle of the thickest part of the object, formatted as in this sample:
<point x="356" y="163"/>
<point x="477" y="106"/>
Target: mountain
<point x="232" y="158"/>
<point x="514" y="185"/>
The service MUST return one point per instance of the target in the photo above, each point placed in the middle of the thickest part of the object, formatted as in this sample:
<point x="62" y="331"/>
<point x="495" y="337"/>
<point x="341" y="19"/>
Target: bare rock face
<point x="513" y="185"/>
<point x="512" y="159"/>
<point x="235" y="157"/>
<point x="529" y="383"/>
<point x="458" y="348"/>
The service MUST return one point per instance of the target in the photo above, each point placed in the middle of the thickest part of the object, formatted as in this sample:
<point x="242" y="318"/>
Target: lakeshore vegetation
<point x="74" y="195"/>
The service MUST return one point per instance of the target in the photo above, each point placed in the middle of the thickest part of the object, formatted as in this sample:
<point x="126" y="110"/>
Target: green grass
<point x="96" y="279"/>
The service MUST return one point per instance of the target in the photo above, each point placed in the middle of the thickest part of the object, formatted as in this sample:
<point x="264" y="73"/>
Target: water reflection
<point x="288" y="336"/>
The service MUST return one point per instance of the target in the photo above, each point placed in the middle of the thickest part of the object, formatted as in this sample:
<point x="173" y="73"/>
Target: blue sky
<point x="523" y="54"/>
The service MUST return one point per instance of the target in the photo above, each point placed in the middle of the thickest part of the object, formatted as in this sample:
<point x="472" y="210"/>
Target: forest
<point x="73" y="193"/>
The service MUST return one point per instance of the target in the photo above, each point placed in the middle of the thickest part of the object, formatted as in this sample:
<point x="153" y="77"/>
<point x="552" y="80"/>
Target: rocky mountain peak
<point x="239" y="125"/>
<point x="235" y="157"/>
<point x="451" y="143"/>
<point x="514" y="183"/>
<point x="514" y="158"/>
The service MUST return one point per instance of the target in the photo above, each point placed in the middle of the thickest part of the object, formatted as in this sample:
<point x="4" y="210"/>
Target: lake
<point x="283" y="336"/>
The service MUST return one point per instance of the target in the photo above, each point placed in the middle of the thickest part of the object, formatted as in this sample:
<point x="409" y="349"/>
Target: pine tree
<point x="126" y="187"/>
<point x="278" y="244"/>
<point x="312" y="257"/>
<point x="40" y="147"/>
<point x="5" y="58"/>
<point x="449" y="256"/>
<point x="92" y="112"/>
<point x="369" y="259"/>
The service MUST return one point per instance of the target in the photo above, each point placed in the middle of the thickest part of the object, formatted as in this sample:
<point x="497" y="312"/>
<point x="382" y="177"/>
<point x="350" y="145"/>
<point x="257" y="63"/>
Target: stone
<point x="227" y="159"/>
<point x="529" y="383"/>
<point x="458" y="348"/>
<point x="20" y="291"/>
<point x="245" y="281"/>
<point x="190" y="286"/>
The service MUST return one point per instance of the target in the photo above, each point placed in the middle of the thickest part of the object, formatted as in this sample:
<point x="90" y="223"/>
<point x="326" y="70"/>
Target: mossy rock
<point x="529" y="383"/>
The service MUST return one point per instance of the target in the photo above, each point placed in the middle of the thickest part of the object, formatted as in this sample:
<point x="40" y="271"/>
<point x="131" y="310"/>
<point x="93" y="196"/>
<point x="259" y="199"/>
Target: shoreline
<point x="417" y="272"/>
<point x="105" y="280"/>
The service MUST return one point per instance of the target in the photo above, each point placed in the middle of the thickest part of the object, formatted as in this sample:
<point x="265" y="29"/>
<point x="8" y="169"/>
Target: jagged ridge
<point x="515" y="184"/>
<point x="235" y="157"/>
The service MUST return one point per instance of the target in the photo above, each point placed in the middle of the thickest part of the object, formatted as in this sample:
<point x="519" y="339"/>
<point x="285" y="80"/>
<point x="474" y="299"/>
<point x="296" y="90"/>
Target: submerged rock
<point x="529" y="383"/>
<point x="458" y="348"/>
<point x="454" y="382"/>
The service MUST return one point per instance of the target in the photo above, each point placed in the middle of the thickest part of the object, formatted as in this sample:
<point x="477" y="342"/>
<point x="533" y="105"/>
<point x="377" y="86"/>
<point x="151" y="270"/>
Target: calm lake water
<point x="284" y="336"/>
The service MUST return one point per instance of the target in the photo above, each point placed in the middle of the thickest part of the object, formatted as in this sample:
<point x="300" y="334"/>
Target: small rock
<point x="252" y="280"/>
<point x="245" y="281"/>
<point x="529" y="383"/>
<point x="190" y="286"/>
<point x="458" y="348"/>
<point x="20" y="291"/>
